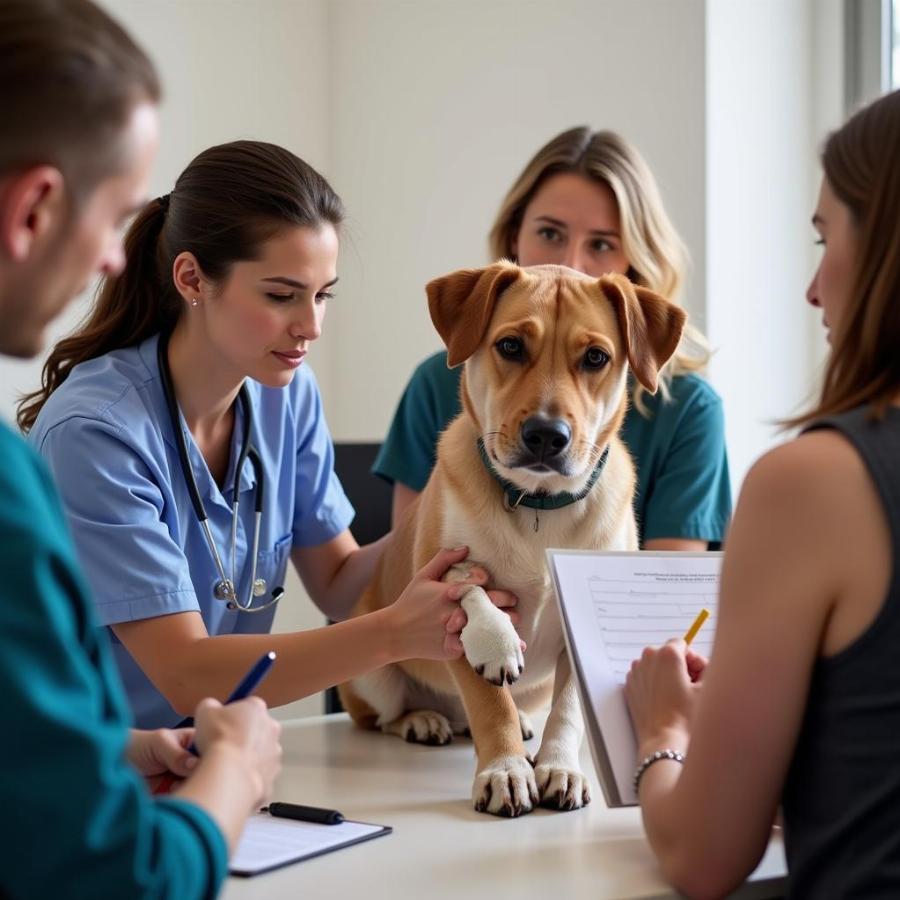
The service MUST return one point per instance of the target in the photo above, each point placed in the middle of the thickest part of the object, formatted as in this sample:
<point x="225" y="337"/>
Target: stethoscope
<point x="225" y="588"/>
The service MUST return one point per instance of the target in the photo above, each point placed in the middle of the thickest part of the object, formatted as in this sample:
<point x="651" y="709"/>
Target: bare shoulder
<point x="811" y="497"/>
<point x="819" y="466"/>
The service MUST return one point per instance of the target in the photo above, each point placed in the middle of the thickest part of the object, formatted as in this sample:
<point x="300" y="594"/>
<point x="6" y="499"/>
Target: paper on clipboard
<point x="268" y="842"/>
<point x="612" y="605"/>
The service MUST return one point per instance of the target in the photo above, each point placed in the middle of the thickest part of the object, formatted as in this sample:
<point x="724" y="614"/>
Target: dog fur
<point x="530" y="340"/>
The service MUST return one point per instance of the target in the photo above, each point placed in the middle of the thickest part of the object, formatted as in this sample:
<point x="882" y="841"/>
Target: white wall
<point x="765" y="113"/>
<point x="758" y="159"/>
<point x="437" y="106"/>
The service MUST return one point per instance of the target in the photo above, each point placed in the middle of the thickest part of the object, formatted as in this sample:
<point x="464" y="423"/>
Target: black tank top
<point x="842" y="793"/>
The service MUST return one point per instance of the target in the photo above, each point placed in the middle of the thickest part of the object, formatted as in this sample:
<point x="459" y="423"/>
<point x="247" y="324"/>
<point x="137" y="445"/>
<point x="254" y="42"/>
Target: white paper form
<point x="612" y="606"/>
<point x="268" y="842"/>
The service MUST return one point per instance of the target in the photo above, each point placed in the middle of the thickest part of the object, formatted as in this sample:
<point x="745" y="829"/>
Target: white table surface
<point x="441" y="848"/>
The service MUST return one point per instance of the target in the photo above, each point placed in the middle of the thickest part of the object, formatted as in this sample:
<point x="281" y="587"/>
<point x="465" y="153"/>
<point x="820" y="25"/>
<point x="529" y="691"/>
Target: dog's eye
<point x="595" y="358"/>
<point x="511" y="348"/>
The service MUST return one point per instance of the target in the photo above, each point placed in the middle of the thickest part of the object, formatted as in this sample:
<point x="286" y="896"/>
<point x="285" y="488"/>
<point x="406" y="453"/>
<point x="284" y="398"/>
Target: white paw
<point x="561" y="787"/>
<point x="506" y="787"/>
<point x="421" y="727"/>
<point x="526" y="726"/>
<point x="492" y="646"/>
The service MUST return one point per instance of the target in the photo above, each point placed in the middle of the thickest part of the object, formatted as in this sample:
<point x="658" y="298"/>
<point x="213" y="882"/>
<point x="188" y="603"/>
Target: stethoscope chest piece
<point x="224" y="590"/>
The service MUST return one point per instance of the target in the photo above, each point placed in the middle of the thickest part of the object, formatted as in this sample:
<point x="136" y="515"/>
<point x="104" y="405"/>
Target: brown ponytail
<point x="225" y="204"/>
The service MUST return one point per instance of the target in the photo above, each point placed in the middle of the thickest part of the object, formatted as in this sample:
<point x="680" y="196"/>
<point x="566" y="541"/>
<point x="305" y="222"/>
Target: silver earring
<point x="195" y="301"/>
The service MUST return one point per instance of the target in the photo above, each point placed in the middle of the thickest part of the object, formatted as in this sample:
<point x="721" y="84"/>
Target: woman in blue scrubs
<point x="232" y="272"/>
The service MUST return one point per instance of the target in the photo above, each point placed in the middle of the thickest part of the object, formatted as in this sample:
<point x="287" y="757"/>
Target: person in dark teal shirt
<point x="588" y="201"/>
<point x="84" y="822"/>
<point x="682" y="470"/>
<point x="78" y="817"/>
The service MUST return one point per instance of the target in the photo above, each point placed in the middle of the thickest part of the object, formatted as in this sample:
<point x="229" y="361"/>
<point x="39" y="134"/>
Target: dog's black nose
<point x="546" y="438"/>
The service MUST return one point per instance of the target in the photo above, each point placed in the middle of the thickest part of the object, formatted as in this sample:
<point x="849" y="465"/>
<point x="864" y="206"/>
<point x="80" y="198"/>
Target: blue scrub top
<point x="107" y="436"/>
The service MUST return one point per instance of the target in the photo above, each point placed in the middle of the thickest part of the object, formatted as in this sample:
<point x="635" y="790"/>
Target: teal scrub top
<point x="678" y="447"/>
<point x="79" y="820"/>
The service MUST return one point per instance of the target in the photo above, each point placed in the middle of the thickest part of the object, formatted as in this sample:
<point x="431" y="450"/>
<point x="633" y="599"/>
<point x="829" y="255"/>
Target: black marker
<point x="304" y="813"/>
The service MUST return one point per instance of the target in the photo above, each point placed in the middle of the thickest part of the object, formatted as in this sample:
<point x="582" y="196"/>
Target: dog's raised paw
<point x="506" y="787"/>
<point x="492" y="646"/>
<point x="421" y="727"/>
<point x="561" y="788"/>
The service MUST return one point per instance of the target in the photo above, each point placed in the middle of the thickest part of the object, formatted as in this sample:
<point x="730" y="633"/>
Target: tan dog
<point x="547" y="353"/>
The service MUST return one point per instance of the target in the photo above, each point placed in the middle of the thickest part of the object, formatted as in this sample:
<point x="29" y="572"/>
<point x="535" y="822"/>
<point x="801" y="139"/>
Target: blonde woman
<point x="588" y="200"/>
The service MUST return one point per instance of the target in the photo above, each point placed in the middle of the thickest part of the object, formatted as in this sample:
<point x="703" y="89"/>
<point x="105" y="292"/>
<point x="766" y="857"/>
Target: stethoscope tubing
<point x="228" y="586"/>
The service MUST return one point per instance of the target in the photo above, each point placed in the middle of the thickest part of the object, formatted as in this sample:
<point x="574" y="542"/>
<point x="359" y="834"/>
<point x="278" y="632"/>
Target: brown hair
<point x="860" y="161"/>
<point x="69" y="77"/>
<point x="225" y="205"/>
<point x="656" y="254"/>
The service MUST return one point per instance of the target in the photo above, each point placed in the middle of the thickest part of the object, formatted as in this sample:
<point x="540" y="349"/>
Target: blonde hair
<point x="656" y="254"/>
<point x="860" y="165"/>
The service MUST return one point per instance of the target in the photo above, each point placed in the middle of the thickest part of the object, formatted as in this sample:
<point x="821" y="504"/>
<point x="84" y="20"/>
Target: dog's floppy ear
<point x="461" y="305"/>
<point x="651" y="326"/>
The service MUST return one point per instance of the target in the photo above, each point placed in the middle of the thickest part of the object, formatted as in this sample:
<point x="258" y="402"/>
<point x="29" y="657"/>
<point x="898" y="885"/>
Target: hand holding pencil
<point x="661" y="688"/>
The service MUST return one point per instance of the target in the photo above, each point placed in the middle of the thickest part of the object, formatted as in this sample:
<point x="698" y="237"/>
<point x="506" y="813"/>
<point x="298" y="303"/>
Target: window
<point x="872" y="50"/>
<point x="895" y="44"/>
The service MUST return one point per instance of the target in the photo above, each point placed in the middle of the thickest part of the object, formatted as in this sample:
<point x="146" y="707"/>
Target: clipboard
<point x="269" y="842"/>
<point x="612" y="605"/>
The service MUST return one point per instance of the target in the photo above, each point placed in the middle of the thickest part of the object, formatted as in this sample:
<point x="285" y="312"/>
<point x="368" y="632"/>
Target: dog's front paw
<point x="506" y="787"/>
<point x="492" y="646"/>
<point x="421" y="727"/>
<point x="561" y="787"/>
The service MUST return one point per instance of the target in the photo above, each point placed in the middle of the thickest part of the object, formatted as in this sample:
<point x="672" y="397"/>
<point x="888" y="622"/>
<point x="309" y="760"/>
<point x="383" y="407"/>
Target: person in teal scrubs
<point x="78" y="816"/>
<point x="587" y="200"/>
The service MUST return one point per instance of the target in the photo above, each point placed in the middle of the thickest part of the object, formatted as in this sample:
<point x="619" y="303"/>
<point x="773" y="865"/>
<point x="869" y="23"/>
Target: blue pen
<point x="253" y="678"/>
<point x="245" y="688"/>
<point x="248" y="684"/>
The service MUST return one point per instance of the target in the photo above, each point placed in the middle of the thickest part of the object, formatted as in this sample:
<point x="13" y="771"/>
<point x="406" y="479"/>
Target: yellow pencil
<point x="702" y="616"/>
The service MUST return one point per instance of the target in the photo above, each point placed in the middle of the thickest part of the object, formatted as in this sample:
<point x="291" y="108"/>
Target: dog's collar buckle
<point x="509" y="504"/>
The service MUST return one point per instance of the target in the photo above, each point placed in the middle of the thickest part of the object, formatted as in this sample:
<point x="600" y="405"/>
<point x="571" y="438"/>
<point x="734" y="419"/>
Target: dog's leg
<point x="385" y="692"/>
<point x="559" y="778"/>
<point x="504" y="783"/>
<point x="492" y="646"/>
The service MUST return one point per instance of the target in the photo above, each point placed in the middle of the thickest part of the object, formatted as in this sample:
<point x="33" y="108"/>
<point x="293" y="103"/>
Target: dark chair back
<point x="371" y="498"/>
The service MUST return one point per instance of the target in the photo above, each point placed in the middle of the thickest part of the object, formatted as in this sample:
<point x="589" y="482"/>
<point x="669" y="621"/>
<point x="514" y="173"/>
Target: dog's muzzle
<point x="543" y="443"/>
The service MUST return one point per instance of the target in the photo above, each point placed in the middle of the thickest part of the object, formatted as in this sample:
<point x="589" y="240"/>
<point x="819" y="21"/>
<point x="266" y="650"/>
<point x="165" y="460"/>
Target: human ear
<point x="188" y="277"/>
<point x="32" y="206"/>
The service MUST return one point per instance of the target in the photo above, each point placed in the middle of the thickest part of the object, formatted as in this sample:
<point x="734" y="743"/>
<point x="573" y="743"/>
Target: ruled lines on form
<point x="649" y="608"/>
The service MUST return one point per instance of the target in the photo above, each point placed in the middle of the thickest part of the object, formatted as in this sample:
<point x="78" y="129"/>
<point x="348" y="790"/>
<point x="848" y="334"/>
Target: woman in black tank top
<point x="799" y="706"/>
